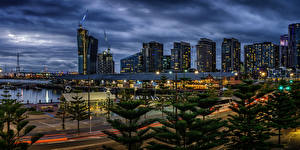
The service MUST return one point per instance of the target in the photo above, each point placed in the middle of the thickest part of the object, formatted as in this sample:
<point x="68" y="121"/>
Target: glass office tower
<point x="294" y="46"/>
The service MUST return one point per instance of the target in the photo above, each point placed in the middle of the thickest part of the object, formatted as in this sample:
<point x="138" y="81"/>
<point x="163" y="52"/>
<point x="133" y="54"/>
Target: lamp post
<point x="157" y="73"/>
<point x="176" y="91"/>
<point x="89" y="103"/>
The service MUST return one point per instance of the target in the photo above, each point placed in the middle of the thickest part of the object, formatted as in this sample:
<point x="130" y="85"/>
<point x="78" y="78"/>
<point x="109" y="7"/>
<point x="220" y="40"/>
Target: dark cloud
<point x="44" y="31"/>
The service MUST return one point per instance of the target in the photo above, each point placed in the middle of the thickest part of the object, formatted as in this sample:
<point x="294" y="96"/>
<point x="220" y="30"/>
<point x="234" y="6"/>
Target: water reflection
<point x="34" y="96"/>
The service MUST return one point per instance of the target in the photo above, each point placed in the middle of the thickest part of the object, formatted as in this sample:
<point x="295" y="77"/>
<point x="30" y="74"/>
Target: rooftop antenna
<point x="18" y="63"/>
<point x="107" y="43"/>
<point x="83" y="18"/>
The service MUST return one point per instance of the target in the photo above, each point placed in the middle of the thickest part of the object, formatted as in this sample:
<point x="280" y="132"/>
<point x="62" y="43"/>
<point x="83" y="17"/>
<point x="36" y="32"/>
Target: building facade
<point x="284" y="50"/>
<point x="152" y="56"/>
<point x="181" y="56"/>
<point x="261" y="57"/>
<point x="206" y="55"/>
<point x="87" y="52"/>
<point x="132" y="64"/>
<point x="231" y="51"/>
<point x="105" y="63"/>
<point x="294" y="46"/>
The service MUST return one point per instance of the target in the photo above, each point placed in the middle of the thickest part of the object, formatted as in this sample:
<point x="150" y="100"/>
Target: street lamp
<point x="157" y="72"/>
<point x="292" y="75"/>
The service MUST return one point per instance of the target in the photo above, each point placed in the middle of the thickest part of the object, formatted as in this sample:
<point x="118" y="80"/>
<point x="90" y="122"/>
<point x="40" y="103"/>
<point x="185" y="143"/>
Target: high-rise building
<point x="284" y="50"/>
<point x="87" y="52"/>
<point x="82" y="41"/>
<point x="250" y="59"/>
<point x="181" y="56"/>
<point x="166" y="63"/>
<point x="231" y="55"/>
<point x="105" y="62"/>
<point x="132" y="64"/>
<point x="92" y="54"/>
<point x="294" y="46"/>
<point x="261" y="56"/>
<point x="206" y="55"/>
<point x="152" y="56"/>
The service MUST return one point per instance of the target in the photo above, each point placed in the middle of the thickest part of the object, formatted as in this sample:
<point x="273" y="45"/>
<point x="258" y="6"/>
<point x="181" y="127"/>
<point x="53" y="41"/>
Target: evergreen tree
<point x="133" y="130"/>
<point x="204" y="101"/>
<point x="281" y="112"/>
<point x="247" y="128"/>
<point x="187" y="132"/>
<point x="163" y="81"/>
<point x="12" y="113"/>
<point x="78" y="110"/>
<point x="295" y="95"/>
<point x="62" y="111"/>
<point x="162" y="102"/>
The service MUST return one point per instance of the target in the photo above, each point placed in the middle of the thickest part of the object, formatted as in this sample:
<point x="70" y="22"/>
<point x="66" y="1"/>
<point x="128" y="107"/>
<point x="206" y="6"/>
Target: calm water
<point x="24" y="81"/>
<point x="33" y="96"/>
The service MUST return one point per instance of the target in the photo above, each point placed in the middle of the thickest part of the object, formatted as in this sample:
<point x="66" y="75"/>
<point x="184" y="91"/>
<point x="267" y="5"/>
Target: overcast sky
<point x="44" y="31"/>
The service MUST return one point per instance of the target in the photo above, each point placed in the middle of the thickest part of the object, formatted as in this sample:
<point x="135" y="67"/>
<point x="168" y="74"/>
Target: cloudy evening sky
<point x="44" y="31"/>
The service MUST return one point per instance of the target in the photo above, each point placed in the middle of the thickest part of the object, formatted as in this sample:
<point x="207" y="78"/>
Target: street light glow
<point x="196" y="72"/>
<point x="157" y="72"/>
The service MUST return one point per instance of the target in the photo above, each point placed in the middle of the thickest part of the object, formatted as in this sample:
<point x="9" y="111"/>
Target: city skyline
<point x="47" y="29"/>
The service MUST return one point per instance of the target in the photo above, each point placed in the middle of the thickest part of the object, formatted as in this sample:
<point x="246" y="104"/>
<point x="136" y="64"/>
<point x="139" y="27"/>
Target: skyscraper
<point x="132" y="64"/>
<point x="231" y="59"/>
<point x="105" y="62"/>
<point x="181" y="56"/>
<point x="250" y="59"/>
<point x="82" y="41"/>
<point x="261" y="56"/>
<point x="206" y="55"/>
<point x="92" y="54"/>
<point x="87" y="52"/>
<point x="166" y="63"/>
<point x="152" y="56"/>
<point x="294" y="46"/>
<point x="284" y="50"/>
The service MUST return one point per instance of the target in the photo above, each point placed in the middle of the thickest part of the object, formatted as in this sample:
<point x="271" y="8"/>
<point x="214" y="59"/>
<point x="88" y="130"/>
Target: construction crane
<point x="83" y="18"/>
<point x="107" y="43"/>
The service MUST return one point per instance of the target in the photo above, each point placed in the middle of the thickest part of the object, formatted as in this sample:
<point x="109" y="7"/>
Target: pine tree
<point x="163" y="81"/>
<point x="204" y="101"/>
<point x="78" y="110"/>
<point x="295" y="95"/>
<point x="62" y="111"/>
<point x="132" y="129"/>
<point x="247" y="129"/>
<point x="12" y="113"/>
<point x="187" y="132"/>
<point x="281" y="112"/>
